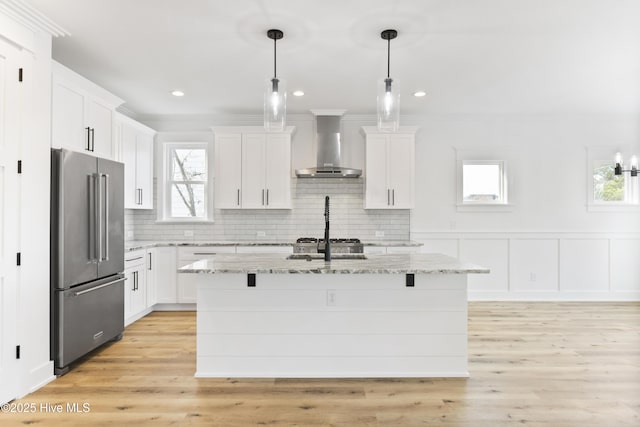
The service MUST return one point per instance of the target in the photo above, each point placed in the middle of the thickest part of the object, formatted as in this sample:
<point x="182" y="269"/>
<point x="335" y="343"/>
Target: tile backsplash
<point x="306" y="218"/>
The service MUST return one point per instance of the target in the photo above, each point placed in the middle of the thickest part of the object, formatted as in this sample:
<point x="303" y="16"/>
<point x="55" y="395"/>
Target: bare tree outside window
<point x="188" y="182"/>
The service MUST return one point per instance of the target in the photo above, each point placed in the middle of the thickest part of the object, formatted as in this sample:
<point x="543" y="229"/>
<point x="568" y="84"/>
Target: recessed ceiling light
<point x="419" y="94"/>
<point x="298" y="93"/>
<point x="177" y="93"/>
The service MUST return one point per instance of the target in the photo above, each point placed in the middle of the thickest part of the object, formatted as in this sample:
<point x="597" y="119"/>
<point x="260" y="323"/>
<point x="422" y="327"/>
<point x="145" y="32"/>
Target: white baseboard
<point x="553" y="296"/>
<point x="174" y="307"/>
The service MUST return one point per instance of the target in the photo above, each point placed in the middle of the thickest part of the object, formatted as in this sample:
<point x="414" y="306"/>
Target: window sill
<point x="614" y="207"/>
<point x="484" y="207"/>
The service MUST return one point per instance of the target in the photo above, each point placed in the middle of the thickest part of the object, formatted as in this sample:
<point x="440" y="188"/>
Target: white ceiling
<point x="470" y="56"/>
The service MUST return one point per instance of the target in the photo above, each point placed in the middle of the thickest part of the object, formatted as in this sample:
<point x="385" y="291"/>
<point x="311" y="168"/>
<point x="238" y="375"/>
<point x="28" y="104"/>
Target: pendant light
<point x="388" y="92"/>
<point x="633" y="171"/>
<point x="275" y="94"/>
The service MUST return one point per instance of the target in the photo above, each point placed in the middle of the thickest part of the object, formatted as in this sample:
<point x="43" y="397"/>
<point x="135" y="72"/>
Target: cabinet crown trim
<point x="121" y="118"/>
<point x="250" y="129"/>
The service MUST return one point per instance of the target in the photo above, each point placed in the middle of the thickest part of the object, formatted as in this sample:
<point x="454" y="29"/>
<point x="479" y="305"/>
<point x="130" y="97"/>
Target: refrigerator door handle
<point x="76" y="294"/>
<point x="91" y="195"/>
<point x="106" y="218"/>
<point x="98" y="226"/>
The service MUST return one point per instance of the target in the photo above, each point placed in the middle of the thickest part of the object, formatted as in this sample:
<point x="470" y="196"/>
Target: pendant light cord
<point x="388" y="56"/>
<point x="274" y="59"/>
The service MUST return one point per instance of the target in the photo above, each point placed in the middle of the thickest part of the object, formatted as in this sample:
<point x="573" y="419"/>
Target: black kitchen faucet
<point x="327" y="241"/>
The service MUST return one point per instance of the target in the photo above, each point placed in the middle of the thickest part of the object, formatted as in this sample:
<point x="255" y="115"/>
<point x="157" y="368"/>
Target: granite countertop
<point x="376" y="264"/>
<point x="137" y="245"/>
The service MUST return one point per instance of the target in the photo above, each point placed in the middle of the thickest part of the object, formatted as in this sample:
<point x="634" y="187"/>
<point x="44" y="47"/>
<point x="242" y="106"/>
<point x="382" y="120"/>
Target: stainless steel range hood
<point x="329" y="150"/>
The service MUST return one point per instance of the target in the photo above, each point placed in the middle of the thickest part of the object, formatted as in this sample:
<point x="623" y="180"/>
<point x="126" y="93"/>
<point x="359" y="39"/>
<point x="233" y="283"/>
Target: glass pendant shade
<point x="388" y="105"/>
<point x="275" y="104"/>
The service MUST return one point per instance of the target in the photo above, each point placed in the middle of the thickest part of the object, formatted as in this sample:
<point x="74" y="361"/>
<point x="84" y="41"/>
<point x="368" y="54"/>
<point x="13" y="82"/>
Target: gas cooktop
<point x="311" y="245"/>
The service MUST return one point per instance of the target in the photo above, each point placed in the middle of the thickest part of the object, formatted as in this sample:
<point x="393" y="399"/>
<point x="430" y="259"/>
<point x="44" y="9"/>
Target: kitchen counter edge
<point x="139" y="245"/>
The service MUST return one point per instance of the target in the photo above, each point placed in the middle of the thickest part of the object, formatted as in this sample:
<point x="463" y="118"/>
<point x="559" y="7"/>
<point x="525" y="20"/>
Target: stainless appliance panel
<point x="86" y="317"/>
<point x="110" y="217"/>
<point x="74" y="251"/>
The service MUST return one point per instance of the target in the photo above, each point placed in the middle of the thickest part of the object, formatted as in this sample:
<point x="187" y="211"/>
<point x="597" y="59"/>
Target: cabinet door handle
<point x="150" y="268"/>
<point x="388" y="197"/>
<point x="88" y="138"/>
<point x="393" y="197"/>
<point x="93" y="139"/>
<point x="238" y="202"/>
<point x="141" y="195"/>
<point x="135" y="273"/>
<point x="263" y="197"/>
<point x="267" y="197"/>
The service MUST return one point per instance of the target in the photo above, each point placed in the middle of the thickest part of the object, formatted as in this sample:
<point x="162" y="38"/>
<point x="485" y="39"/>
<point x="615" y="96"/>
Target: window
<point x="483" y="182"/>
<point x="607" y="186"/>
<point x="185" y="189"/>
<point x="611" y="189"/>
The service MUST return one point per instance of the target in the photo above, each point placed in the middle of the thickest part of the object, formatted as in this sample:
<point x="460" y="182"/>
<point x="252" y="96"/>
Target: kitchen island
<point x="263" y="315"/>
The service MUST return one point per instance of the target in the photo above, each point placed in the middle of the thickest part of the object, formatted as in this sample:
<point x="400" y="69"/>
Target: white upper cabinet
<point x="228" y="170"/>
<point x="134" y="147"/>
<point x="82" y="114"/>
<point x="253" y="168"/>
<point x="389" y="168"/>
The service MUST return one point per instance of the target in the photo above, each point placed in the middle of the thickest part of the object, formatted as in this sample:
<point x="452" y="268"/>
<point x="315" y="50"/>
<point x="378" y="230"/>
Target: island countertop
<point x="373" y="264"/>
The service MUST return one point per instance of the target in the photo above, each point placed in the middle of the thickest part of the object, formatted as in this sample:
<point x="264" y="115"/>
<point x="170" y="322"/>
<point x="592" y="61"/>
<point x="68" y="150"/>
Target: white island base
<point x="331" y="325"/>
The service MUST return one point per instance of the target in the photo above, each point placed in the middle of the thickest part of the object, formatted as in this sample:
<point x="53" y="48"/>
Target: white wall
<point x="548" y="246"/>
<point x="548" y="166"/>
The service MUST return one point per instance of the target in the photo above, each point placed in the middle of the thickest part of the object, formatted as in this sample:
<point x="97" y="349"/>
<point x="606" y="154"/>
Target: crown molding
<point x="30" y="17"/>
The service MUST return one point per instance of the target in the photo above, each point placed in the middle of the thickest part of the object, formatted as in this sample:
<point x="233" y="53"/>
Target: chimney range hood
<point x="329" y="149"/>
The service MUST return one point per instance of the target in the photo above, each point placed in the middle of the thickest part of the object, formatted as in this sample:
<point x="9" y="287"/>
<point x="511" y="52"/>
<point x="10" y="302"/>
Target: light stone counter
<point x="141" y="244"/>
<point x="373" y="264"/>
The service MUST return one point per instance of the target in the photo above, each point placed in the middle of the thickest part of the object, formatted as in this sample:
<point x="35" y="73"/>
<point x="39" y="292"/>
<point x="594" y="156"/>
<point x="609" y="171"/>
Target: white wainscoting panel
<point x="625" y="265"/>
<point x="584" y="265"/>
<point x="545" y="265"/>
<point x="533" y="265"/>
<point x="491" y="253"/>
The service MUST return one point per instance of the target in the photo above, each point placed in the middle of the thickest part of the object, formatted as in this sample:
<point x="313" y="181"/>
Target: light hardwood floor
<point x="533" y="364"/>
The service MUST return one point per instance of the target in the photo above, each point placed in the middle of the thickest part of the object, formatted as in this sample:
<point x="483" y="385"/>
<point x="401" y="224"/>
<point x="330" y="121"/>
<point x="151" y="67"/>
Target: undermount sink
<point x="312" y="257"/>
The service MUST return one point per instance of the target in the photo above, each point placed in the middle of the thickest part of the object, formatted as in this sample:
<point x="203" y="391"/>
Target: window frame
<point x="598" y="157"/>
<point x="495" y="154"/>
<point x="503" y="198"/>
<point x="165" y="182"/>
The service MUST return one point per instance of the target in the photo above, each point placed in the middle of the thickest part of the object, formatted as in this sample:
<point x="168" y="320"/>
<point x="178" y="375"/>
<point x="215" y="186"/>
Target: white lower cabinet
<point x="161" y="276"/>
<point x="135" y="288"/>
<point x="187" y="292"/>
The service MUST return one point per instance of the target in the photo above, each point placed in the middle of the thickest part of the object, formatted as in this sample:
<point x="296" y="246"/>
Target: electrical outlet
<point x="331" y="297"/>
<point x="261" y="234"/>
<point x="188" y="233"/>
<point x="379" y="233"/>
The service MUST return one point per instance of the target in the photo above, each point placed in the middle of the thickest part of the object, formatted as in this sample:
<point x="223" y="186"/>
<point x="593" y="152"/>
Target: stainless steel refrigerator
<point x="87" y="254"/>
